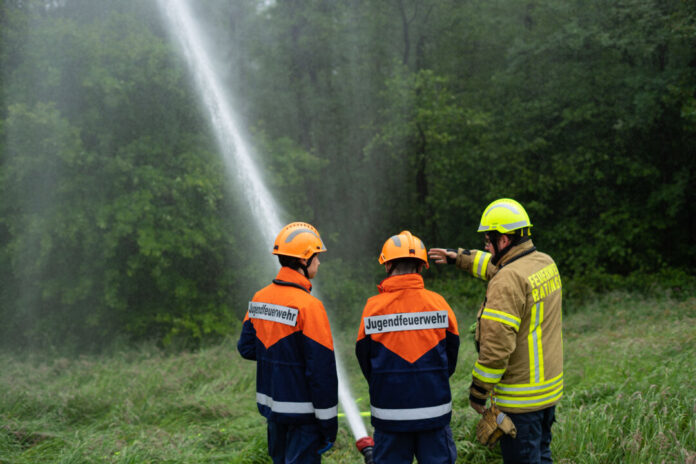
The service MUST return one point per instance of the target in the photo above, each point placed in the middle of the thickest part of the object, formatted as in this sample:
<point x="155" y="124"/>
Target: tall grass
<point x="630" y="397"/>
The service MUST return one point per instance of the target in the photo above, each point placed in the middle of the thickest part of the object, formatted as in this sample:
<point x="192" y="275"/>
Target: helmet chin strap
<point x="305" y="267"/>
<point x="514" y="240"/>
<point x="499" y="253"/>
<point x="496" y="252"/>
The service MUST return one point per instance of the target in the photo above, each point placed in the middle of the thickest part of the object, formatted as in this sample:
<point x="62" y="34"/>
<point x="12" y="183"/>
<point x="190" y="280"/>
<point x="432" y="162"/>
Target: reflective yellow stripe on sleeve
<point x="499" y="316"/>
<point x="480" y="264"/>
<point x="487" y="374"/>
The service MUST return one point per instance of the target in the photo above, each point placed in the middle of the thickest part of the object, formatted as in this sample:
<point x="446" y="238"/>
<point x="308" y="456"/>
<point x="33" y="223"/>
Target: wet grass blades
<point x="630" y="397"/>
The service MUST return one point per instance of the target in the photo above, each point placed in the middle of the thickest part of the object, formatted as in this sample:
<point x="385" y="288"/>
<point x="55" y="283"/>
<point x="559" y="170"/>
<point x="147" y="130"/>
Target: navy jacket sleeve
<point x="362" y="352"/>
<point x="323" y="385"/>
<point x="452" y="352"/>
<point x="247" y="341"/>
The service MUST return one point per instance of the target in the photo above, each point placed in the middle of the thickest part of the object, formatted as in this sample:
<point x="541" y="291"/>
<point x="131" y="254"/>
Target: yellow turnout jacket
<point x="518" y="329"/>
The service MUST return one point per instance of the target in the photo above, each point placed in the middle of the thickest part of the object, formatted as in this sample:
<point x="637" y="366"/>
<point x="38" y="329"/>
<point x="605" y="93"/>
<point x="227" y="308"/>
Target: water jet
<point x="237" y="158"/>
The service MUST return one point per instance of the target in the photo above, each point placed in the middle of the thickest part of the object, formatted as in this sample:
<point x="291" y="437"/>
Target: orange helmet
<point x="403" y="245"/>
<point x="299" y="240"/>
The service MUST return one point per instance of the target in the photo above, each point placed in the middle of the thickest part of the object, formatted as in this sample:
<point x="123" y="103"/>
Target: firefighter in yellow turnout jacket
<point x="518" y="330"/>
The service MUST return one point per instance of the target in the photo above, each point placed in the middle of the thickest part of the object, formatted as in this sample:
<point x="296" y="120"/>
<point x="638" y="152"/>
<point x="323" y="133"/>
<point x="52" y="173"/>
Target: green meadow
<point x="630" y="397"/>
<point x="134" y="227"/>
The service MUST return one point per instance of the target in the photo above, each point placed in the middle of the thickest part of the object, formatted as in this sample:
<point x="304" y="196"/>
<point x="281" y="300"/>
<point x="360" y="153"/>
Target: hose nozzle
<point x="365" y="446"/>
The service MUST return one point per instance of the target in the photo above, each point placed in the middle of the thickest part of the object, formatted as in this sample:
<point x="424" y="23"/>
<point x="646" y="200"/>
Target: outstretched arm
<point x="475" y="262"/>
<point x="442" y="255"/>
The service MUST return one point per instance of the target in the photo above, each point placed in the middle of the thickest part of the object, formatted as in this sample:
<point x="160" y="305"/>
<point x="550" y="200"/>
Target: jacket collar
<point x="287" y="274"/>
<point x="514" y="252"/>
<point x="401" y="282"/>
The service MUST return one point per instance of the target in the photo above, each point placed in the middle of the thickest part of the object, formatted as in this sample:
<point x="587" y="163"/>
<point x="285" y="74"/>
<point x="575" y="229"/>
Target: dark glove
<point x="452" y="260"/>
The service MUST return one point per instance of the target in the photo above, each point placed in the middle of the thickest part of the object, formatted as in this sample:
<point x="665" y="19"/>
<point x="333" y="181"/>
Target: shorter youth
<point x="407" y="348"/>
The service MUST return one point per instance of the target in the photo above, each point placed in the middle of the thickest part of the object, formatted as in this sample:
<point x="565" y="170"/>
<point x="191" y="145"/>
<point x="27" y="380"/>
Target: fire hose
<point x="365" y="445"/>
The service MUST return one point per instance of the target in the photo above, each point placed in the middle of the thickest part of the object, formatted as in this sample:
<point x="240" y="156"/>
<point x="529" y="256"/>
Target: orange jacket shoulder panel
<point x="311" y="319"/>
<point x="402" y="300"/>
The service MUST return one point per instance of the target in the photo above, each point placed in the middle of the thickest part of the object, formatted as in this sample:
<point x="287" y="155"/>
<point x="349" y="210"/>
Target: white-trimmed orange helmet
<point x="299" y="240"/>
<point x="404" y="245"/>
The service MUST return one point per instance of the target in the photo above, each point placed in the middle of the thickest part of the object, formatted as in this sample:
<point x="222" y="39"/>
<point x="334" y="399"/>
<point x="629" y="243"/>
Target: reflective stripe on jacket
<point x="519" y="332"/>
<point x="286" y="330"/>
<point x="407" y="348"/>
<point x="476" y="262"/>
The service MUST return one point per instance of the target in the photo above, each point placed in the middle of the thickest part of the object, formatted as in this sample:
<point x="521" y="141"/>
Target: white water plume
<point x="232" y="146"/>
<point x="236" y="154"/>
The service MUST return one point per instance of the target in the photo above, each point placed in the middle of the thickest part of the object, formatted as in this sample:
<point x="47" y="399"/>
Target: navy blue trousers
<point x="429" y="447"/>
<point x="294" y="443"/>
<point x="533" y="442"/>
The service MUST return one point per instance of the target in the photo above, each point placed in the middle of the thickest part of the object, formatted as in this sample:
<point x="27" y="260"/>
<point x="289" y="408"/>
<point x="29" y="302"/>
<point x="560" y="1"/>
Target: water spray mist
<point x="237" y="158"/>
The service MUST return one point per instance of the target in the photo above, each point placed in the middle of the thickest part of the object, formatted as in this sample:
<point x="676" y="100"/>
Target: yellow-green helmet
<point x="505" y="216"/>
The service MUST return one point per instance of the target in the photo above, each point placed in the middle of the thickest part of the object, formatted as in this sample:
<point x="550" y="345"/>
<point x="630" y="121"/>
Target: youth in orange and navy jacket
<point x="286" y="331"/>
<point x="407" y="349"/>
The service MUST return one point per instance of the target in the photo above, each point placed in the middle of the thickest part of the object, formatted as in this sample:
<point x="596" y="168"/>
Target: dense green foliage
<point x="629" y="397"/>
<point x="369" y="117"/>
